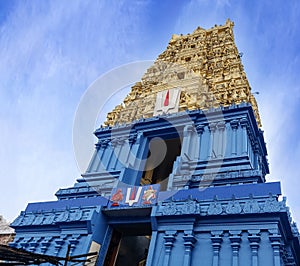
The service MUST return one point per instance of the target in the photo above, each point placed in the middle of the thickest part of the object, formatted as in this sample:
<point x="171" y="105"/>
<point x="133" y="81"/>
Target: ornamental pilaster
<point x="275" y="240"/>
<point x="189" y="241"/>
<point x="244" y="124"/>
<point x="221" y="141"/>
<point x="212" y="129"/>
<point x="200" y="129"/>
<point x="234" y="125"/>
<point x="169" y="238"/>
<point x="254" y="240"/>
<point x="216" y="240"/>
<point x="235" y="240"/>
<point x="187" y="135"/>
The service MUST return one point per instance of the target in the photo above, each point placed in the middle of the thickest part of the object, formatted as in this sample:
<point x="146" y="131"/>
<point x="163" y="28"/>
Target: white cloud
<point x="50" y="52"/>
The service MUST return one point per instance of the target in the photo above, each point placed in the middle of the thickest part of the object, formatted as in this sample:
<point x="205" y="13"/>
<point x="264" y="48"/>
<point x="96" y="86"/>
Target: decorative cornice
<point x="251" y="205"/>
<point x="54" y="217"/>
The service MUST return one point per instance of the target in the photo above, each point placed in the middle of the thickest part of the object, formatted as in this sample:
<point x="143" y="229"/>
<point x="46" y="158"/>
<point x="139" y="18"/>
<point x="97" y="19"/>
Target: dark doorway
<point x="133" y="251"/>
<point x="158" y="168"/>
<point x="113" y="249"/>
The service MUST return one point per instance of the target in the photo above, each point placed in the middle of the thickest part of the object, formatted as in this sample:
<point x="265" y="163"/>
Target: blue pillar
<point x="186" y="143"/>
<point x="254" y="245"/>
<point x="275" y="242"/>
<point x="212" y="129"/>
<point x="169" y="241"/>
<point x="216" y="240"/>
<point x="234" y="125"/>
<point x="221" y="139"/>
<point x="200" y="130"/>
<point x="189" y="241"/>
<point x="152" y="247"/>
<point x="244" y="124"/>
<point x="235" y="240"/>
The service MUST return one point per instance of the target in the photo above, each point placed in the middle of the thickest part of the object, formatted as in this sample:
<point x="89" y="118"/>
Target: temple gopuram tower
<point x="178" y="176"/>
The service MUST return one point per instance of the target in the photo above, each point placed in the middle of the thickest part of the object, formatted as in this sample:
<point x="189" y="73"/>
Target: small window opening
<point x="158" y="173"/>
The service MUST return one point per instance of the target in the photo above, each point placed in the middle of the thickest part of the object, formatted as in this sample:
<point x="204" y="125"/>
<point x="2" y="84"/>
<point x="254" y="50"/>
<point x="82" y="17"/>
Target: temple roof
<point x="206" y="67"/>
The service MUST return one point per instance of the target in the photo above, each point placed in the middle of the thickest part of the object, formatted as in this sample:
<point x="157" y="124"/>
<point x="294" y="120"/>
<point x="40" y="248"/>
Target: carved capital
<point x="132" y="138"/>
<point x="212" y="127"/>
<point x="188" y="129"/>
<point x="189" y="241"/>
<point x="235" y="243"/>
<point x="254" y="243"/>
<point x="114" y="142"/>
<point x="276" y="244"/>
<point x="169" y="238"/>
<point x="234" y="124"/>
<point x="200" y="129"/>
<point x="216" y="244"/>
<point x="244" y="123"/>
<point x="221" y="126"/>
<point x="102" y="143"/>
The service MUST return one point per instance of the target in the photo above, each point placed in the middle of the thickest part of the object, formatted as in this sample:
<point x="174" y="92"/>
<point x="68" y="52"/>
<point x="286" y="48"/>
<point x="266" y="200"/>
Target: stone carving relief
<point x="272" y="205"/>
<point x="205" y="64"/>
<point x="251" y="206"/>
<point x="225" y="207"/>
<point x="215" y="208"/>
<point x="233" y="207"/>
<point x="185" y="207"/>
<point x="47" y="218"/>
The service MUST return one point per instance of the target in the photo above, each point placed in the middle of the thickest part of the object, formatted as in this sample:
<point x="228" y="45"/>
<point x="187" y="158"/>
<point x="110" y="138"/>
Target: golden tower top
<point x="196" y="71"/>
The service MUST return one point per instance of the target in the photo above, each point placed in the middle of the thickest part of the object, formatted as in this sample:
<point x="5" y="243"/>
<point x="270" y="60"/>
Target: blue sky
<point x="51" y="51"/>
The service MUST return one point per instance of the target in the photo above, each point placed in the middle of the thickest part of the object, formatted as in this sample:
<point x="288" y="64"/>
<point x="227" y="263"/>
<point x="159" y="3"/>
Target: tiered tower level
<point x="178" y="173"/>
<point x="206" y="65"/>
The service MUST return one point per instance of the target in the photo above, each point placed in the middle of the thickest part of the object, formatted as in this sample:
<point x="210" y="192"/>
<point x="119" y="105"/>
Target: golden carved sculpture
<point x="206" y="65"/>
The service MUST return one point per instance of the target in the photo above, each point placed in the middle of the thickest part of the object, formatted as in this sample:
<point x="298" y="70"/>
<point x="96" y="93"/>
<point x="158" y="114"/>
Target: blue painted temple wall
<point x="216" y="208"/>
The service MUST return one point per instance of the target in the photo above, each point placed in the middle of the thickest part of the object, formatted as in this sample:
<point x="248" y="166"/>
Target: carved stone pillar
<point x="235" y="240"/>
<point x="221" y="147"/>
<point x="189" y="241"/>
<point x="115" y="145"/>
<point x="211" y="151"/>
<point x="276" y="243"/>
<point x="244" y="125"/>
<point x="134" y="148"/>
<point x="118" y="153"/>
<point x="186" y="143"/>
<point x="254" y="240"/>
<point x="100" y="147"/>
<point x="234" y="125"/>
<point x="256" y="155"/>
<point x="110" y="155"/>
<point x="216" y="240"/>
<point x="169" y="241"/>
<point x="200" y="130"/>
<point x="132" y="139"/>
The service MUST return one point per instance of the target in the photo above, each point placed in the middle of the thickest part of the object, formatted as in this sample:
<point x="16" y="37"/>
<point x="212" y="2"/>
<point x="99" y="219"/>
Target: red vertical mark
<point x="166" y="102"/>
<point x="132" y="196"/>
